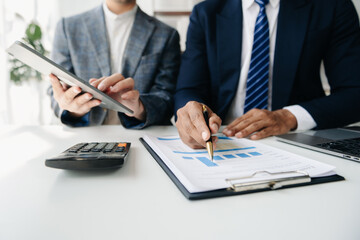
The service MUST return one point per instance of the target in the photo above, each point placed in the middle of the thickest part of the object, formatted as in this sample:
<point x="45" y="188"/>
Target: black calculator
<point x="94" y="155"/>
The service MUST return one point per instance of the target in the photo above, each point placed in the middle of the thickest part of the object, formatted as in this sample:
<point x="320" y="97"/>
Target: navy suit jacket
<point x="308" y="32"/>
<point x="151" y="58"/>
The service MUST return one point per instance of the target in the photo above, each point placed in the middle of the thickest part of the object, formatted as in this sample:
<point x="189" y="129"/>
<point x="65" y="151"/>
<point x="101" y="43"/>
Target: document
<point x="233" y="158"/>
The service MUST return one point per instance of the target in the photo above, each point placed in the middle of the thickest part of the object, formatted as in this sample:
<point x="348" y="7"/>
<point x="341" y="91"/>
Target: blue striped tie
<point x="258" y="76"/>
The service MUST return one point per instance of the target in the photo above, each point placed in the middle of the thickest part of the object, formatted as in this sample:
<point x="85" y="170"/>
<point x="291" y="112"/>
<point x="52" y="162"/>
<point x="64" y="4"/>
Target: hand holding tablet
<point x="47" y="67"/>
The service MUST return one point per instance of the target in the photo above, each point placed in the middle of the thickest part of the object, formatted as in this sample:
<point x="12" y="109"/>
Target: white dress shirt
<point x="250" y="12"/>
<point x="118" y="29"/>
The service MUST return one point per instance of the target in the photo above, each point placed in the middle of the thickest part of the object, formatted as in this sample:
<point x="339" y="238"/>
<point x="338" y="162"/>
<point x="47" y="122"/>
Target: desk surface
<point x="139" y="201"/>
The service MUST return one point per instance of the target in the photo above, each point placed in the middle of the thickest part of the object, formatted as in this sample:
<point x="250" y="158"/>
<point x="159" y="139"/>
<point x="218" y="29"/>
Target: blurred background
<point x="23" y="98"/>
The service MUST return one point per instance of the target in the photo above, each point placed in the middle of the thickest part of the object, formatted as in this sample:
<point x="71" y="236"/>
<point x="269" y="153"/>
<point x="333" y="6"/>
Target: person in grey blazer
<point x="149" y="66"/>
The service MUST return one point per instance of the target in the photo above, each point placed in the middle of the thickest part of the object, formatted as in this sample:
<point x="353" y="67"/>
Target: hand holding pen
<point x="192" y="126"/>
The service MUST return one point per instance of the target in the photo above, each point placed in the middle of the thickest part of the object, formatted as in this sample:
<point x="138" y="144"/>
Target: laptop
<point x="44" y="65"/>
<point x="341" y="142"/>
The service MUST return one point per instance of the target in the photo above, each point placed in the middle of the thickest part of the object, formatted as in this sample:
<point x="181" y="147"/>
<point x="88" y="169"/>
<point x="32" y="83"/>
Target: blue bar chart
<point x="220" y="155"/>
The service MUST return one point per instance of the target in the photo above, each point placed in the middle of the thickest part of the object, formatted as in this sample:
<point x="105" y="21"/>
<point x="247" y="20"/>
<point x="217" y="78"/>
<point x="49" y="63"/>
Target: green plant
<point x="19" y="71"/>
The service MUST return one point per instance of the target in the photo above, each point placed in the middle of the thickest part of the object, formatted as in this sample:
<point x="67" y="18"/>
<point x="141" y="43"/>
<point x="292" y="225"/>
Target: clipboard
<point x="236" y="189"/>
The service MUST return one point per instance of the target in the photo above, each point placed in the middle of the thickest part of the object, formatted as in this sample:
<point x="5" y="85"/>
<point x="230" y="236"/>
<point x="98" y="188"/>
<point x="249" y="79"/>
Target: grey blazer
<point x="151" y="58"/>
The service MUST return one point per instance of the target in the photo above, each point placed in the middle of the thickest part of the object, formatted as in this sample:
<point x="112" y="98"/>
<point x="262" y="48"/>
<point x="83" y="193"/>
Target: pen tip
<point x="209" y="147"/>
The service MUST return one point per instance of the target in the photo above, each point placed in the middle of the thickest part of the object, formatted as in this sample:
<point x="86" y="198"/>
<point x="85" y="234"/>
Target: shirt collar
<point x="248" y="3"/>
<point x="110" y="15"/>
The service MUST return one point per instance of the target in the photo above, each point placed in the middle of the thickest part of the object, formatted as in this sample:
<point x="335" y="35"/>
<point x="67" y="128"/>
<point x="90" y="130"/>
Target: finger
<point x="215" y="140"/>
<point x="191" y="142"/>
<point x="56" y="85"/>
<point x="110" y="81"/>
<point x="235" y="122"/>
<point x="251" y="128"/>
<point x="244" y="121"/>
<point x="243" y="124"/>
<point x="200" y="127"/>
<point x="82" y="99"/>
<point x="199" y="135"/>
<point x="130" y="95"/>
<point x="266" y="132"/>
<point x="70" y="94"/>
<point x="64" y="86"/>
<point x="214" y="123"/>
<point x="229" y="129"/>
<point x="187" y="138"/>
<point x="95" y="82"/>
<point x="187" y="131"/>
<point x="89" y="105"/>
<point x="123" y="86"/>
<point x="254" y="118"/>
<point x="92" y="80"/>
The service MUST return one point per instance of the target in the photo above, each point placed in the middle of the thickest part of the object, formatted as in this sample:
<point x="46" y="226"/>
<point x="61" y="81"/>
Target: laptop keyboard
<point x="348" y="146"/>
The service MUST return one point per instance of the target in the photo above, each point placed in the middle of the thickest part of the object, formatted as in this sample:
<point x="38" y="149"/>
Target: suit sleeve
<point x="194" y="77"/>
<point x="342" y="66"/>
<point x="61" y="55"/>
<point x="159" y="101"/>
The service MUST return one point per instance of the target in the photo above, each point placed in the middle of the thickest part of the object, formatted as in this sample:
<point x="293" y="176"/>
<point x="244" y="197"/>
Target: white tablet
<point x="45" y="66"/>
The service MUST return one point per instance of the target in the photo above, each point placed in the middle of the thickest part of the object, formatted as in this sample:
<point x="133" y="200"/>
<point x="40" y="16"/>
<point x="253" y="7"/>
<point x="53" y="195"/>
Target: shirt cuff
<point x="67" y="119"/>
<point x="304" y="120"/>
<point x="130" y="122"/>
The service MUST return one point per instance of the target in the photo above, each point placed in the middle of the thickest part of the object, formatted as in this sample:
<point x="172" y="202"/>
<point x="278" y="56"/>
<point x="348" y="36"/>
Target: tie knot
<point x="262" y="3"/>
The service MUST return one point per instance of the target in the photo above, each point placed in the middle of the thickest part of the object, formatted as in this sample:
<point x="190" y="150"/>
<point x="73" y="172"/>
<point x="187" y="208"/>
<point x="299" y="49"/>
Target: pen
<point x="209" y="143"/>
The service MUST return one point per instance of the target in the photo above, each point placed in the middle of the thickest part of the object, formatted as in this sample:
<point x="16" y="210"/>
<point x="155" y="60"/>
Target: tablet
<point x="45" y="66"/>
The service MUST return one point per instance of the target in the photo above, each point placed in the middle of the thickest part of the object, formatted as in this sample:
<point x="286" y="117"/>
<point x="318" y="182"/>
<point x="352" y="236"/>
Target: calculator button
<point x="109" y="147"/>
<point x="88" y="147"/>
<point x="98" y="147"/>
<point x="119" y="149"/>
<point x="76" y="148"/>
<point x="85" y="150"/>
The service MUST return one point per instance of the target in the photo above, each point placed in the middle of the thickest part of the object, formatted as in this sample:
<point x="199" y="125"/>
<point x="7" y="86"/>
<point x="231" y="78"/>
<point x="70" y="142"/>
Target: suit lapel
<point x="229" y="43"/>
<point x="96" y="31"/>
<point x="292" y="27"/>
<point x="140" y="34"/>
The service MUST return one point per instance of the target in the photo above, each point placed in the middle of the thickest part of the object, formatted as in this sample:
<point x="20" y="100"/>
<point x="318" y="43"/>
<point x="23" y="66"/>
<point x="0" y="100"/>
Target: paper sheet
<point x="232" y="158"/>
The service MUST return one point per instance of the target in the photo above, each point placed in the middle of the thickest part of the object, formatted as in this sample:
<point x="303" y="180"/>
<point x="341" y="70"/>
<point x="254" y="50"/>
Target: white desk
<point x="139" y="201"/>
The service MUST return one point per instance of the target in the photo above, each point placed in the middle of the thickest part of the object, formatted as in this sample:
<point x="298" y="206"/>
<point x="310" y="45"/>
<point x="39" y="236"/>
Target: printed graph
<point x="218" y="156"/>
<point x="226" y="150"/>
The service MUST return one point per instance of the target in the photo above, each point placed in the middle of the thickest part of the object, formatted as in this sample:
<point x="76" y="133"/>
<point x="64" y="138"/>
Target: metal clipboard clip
<point x="264" y="184"/>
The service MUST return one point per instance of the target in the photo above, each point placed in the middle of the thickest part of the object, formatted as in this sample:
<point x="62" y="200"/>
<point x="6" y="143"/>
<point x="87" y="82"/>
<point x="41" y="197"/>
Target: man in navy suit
<point x="132" y="57"/>
<point x="217" y="65"/>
